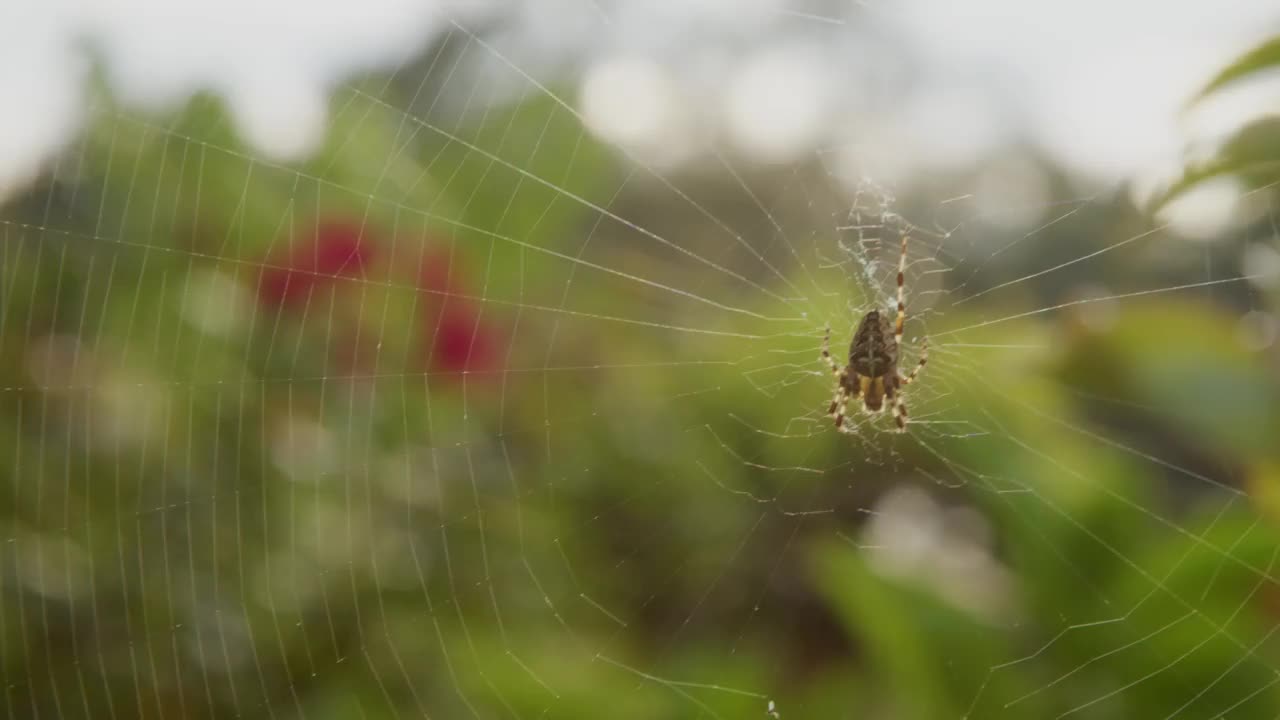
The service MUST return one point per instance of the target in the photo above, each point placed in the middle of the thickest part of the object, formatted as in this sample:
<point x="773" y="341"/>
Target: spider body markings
<point x="871" y="374"/>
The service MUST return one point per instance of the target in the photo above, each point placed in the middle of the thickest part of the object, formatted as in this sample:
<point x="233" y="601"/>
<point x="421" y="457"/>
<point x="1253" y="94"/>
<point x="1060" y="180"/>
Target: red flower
<point x="461" y="342"/>
<point x="458" y="339"/>
<point x="456" y="335"/>
<point x="338" y="249"/>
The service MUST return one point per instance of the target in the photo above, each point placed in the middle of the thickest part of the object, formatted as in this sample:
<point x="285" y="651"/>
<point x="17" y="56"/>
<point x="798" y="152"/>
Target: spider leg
<point x="902" y="302"/>
<point x="899" y="406"/>
<point x="837" y="400"/>
<point x="841" y="426"/>
<point x="842" y="415"/>
<point x="900" y="413"/>
<point x="826" y="353"/>
<point x="924" y="358"/>
<point x="837" y="408"/>
<point x="840" y="403"/>
<point x="839" y="416"/>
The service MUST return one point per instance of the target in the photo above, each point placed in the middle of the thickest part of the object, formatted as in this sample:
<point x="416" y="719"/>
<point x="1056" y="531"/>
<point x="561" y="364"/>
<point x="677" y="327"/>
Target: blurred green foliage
<point x="486" y="461"/>
<point x="1252" y="155"/>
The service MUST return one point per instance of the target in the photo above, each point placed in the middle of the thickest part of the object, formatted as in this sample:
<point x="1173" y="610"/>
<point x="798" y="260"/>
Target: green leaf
<point x="1263" y="57"/>
<point x="1252" y="155"/>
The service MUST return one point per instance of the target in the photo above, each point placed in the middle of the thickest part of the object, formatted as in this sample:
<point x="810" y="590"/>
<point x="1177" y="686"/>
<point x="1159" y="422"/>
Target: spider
<point x="872" y="373"/>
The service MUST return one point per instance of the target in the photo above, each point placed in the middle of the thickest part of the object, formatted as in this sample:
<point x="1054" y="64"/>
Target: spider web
<point x="550" y="433"/>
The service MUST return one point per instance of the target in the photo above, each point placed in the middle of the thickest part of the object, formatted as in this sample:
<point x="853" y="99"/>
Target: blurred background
<point x="462" y="359"/>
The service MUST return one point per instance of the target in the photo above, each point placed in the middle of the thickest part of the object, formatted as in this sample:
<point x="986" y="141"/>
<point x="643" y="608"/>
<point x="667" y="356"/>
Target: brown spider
<point x="872" y="373"/>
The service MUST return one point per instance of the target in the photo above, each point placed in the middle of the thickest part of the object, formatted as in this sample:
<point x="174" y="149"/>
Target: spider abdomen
<point x="873" y="352"/>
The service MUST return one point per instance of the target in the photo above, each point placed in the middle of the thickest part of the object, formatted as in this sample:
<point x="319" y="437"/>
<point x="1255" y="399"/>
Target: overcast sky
<point x="1098" y="83"/>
